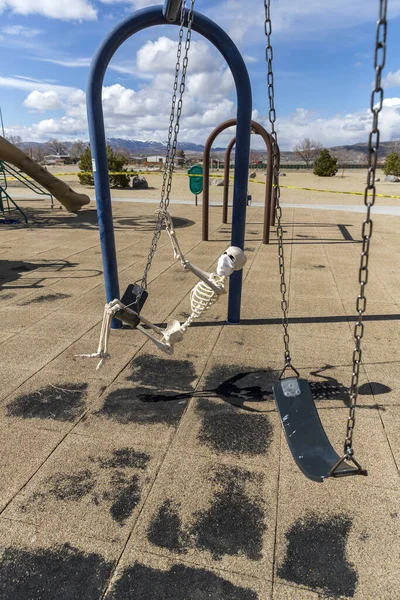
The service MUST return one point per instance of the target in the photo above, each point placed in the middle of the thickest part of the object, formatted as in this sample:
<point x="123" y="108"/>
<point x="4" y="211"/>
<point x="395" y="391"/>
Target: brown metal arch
<point x="259" y="129"/>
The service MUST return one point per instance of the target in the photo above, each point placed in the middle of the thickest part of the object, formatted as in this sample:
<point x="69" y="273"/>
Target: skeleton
<point x="203" y="295"/>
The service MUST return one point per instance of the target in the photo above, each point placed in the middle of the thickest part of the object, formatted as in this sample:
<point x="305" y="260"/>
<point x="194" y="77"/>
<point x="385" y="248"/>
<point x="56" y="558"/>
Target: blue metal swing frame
<point x="151" y="17"/>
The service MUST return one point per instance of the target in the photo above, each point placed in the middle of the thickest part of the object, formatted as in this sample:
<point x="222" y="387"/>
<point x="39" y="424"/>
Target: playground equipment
<point x="307" y="440"/>
<point x="203" y="295"/>
<point x="269" y="210"/>
<point x="142" y="19"/>
<point x="15" y="174"/>
<point x="59" y="189"/>
<point x="7" y="204"/>
<point x="211" y="285"/>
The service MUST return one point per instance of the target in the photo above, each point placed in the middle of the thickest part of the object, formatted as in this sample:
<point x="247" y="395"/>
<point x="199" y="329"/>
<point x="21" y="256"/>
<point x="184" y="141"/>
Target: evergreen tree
<point x="325" y="165"/>
<point x="116" y="163"/>
<point x="392" y="164"/>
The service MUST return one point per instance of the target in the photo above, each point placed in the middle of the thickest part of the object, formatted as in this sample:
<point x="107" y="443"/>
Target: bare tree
<point x="15" y="139"/>
<point x="77" y="149"/>
<point x="307" y="150"/>
<point x="38" y="153"/>
<point x="56" y="147"/>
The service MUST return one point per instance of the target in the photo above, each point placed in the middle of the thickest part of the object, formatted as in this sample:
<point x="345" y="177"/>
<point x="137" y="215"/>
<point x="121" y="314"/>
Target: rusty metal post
<point x="269" y="210"/>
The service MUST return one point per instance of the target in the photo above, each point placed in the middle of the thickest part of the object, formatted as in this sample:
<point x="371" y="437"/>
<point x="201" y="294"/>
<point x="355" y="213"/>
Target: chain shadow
<point x="12" y="270"/>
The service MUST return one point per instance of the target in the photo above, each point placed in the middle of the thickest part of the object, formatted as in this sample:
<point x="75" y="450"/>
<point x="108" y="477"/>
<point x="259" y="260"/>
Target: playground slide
<point x="60" y="190"/>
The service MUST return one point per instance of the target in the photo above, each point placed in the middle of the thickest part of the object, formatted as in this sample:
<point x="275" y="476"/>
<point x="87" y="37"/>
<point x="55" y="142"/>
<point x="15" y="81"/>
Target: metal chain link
<point x="172" y="134"/>
<point x="269" y="55"/>
<point x="366" y="232"/>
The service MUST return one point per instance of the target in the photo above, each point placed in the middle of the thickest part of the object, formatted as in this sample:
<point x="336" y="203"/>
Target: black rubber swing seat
<point x="305" y="434"/>
<point x="133" y="298"/>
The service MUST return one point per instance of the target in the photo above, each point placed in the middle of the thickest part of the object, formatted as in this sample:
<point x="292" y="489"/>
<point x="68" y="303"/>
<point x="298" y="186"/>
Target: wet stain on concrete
<point x="63" y="572"/>
<point x="125" y="458"/>
<point x="62" y="486"/>
<point x="316" y="555"/>
<point x="162" y="373"/>
<point x="144" y="406"/>
<point x="166" y="529"/>
<point x="234" y="524"/>
<point x="45" y="298"/>
<point x="60" y="403"/>
<point x="116" y="484"/>
<point x="179" y="583"/>
<point x="226" y="430"/>
<point x="126" y="492"/>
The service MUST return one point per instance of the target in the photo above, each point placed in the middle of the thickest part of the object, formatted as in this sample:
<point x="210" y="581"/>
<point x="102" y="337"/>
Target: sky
<point x="323" y="64"/>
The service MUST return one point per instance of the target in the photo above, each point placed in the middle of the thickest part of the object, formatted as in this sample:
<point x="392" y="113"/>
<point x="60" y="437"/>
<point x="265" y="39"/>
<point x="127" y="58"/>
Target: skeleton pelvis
<point x="173" y="332"/>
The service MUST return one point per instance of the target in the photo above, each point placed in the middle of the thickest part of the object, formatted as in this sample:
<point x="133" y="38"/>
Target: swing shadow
<point x="255" y="386"/>
<point x="87" y="219"/>
<point x="12" y="270"/>
<point x="300" y="320"/>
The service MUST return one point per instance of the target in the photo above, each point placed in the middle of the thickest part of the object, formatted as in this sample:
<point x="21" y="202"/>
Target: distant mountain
<point x="350" y="153"/>
<point x="135" y="147"/>
<point x="148" y="147"/>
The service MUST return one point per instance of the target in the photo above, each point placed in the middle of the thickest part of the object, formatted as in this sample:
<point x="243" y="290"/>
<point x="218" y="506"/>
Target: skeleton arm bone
<point x="203" y="275"/>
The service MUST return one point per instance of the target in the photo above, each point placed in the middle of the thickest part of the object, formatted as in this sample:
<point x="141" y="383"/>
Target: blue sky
<point x="322" y="60"/>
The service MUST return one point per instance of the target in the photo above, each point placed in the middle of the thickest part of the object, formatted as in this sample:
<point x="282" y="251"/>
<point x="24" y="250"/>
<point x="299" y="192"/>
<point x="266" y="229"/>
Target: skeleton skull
<point x="233" y="259"/>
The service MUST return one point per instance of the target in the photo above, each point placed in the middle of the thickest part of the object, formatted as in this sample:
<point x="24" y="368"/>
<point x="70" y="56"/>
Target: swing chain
<point x="173" y="131"/>
<point x="369" y="201"/>
<point x="269" y="55"/>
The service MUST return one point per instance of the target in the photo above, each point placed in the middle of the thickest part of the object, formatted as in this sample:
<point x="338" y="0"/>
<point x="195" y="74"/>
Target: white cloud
<point x="24" y="83"/>
<point x="83" y="62"/>
<point x="144" y="115"/>
<point x="338" y="129"/>
<point x="42" y="101"/>
<point x="392" y="80"/>
<point x="160" y="57"/>
<point x="137" y="4"/>
<point x="20" y="30"/>
<point x="82" y="10"/>
<point x="71" y="63"/>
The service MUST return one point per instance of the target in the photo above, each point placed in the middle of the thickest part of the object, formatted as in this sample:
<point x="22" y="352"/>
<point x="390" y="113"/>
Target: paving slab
<point x="123" y="346"/>
<point x="33" y="350"/>
<point x="93" y="486"/>
<point x="24" y="449"/>
<point x="217" y="514"/>
<point x="51" y="401"/>
<point x="36" y="565"/>
<point x="391" y="422"/>
<point x="289" y="592"/>
<point x="335" y="543"/>
<point x="385" y="382"/>
<point x="147" y="415"/>
<point x="151" y="577"/>
<point x="13" y="375"/>
<point x="150" y="367"/>
<point x="215" y="428"/>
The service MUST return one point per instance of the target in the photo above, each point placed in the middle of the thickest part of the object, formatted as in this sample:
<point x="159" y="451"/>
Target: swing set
<point x="306" y="437"/>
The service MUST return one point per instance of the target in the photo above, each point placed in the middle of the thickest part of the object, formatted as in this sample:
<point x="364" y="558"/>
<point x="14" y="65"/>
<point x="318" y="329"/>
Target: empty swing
<point x="210" y="285"/>
<point x="305" y="435"/>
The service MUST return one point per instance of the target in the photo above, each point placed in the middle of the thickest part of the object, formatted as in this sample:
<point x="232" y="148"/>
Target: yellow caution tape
<point x="214" y="176"/>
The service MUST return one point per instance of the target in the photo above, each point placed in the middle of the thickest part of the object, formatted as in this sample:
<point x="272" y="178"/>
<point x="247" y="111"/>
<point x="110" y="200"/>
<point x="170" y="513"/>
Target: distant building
<point x="155" y="159"/>
<point x="57" y="159"/>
